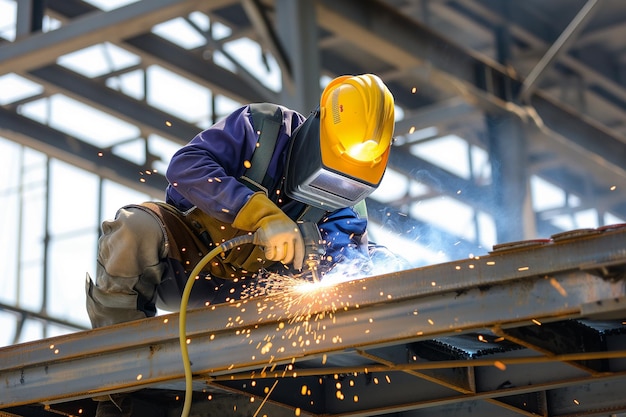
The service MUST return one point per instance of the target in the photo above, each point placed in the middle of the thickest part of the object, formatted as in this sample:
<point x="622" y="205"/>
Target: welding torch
<point x="314" y="249"/>
<point x="311" y="252"/>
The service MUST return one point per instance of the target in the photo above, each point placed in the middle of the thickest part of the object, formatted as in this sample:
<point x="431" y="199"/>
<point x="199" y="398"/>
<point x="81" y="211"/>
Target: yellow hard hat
<point x="357" y="122"/>
<point x="339" y="154"/>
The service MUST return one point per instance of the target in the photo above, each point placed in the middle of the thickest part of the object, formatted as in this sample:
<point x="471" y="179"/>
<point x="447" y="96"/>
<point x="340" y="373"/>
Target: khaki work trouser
<point x="144" y="258"/>
<point x="131" y="262"/>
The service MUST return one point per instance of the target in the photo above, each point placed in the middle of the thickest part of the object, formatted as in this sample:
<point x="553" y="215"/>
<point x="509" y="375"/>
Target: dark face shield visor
<point x="311" y="181"/>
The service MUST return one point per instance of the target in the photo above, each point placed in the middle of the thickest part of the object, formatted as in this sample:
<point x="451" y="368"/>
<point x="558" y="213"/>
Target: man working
<point x="259" y="170"/>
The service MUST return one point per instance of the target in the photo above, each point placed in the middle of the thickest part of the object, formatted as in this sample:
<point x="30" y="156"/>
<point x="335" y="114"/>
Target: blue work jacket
<point x="205" y="173"/>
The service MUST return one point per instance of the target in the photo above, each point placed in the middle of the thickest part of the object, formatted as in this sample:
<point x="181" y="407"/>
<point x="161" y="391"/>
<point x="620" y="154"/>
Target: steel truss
<point x="533" y="328"/>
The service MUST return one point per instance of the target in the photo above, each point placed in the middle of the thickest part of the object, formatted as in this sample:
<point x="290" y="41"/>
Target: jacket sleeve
<point x="345" y="235"/>
<point x="205" y="172"/>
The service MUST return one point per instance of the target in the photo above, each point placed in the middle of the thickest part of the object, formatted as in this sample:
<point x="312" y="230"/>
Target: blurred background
<point x="511" y="119"/>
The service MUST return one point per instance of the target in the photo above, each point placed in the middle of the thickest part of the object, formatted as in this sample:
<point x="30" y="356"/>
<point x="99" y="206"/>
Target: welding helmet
<point x="339" y="154"/>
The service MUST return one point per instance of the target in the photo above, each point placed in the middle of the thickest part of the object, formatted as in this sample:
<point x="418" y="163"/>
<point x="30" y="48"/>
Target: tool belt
<point x="192" y="234"/>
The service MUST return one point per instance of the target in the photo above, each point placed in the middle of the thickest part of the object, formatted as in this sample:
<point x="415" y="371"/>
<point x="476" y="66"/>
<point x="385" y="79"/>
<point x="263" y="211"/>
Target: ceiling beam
<point x="78" y="153"/>
<point x="45" y="47"/>
<point x="443" y="112"/>
<point x="194" y="67"/>
<point x="589" y="37"/>
<point x="408" y="45"/>
<point x="154" y="50"/>
<point x="95" y="94"/>
<point x="558" y="48"/>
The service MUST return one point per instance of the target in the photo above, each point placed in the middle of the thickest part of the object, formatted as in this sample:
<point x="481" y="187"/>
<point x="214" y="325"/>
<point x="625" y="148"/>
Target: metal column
<point x="29" y="16"/>
<point x="507" y="144"/>
<point x="509" y="161"/>
<point x="298" y="33"/>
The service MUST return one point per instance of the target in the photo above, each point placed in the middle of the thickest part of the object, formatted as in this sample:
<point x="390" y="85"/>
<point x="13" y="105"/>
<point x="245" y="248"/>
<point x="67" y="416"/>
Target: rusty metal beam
<point x="514" y="286"/>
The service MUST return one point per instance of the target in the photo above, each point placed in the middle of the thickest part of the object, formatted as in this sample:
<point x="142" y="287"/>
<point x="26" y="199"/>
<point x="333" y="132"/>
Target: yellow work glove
<point x="275" y="232"/>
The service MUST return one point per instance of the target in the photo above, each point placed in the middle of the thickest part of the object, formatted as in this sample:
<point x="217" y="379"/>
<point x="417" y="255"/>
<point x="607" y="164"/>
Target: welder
<point x="264" y="170"/>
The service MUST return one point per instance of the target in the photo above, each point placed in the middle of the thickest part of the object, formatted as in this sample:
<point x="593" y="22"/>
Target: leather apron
<point x="190" y="236"/>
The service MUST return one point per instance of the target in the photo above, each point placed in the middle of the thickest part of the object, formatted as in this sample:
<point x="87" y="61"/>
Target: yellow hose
<point x="182" y="317"/>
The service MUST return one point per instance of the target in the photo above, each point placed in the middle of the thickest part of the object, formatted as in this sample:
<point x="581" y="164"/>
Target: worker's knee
<point x="131" y="242"/>
<point x="105" y="307"/>
<point x="131" y="264"/>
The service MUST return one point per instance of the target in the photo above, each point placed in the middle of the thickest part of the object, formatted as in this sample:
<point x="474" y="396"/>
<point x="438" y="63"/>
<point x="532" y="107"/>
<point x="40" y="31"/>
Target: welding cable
<point x="182" y="317"/>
